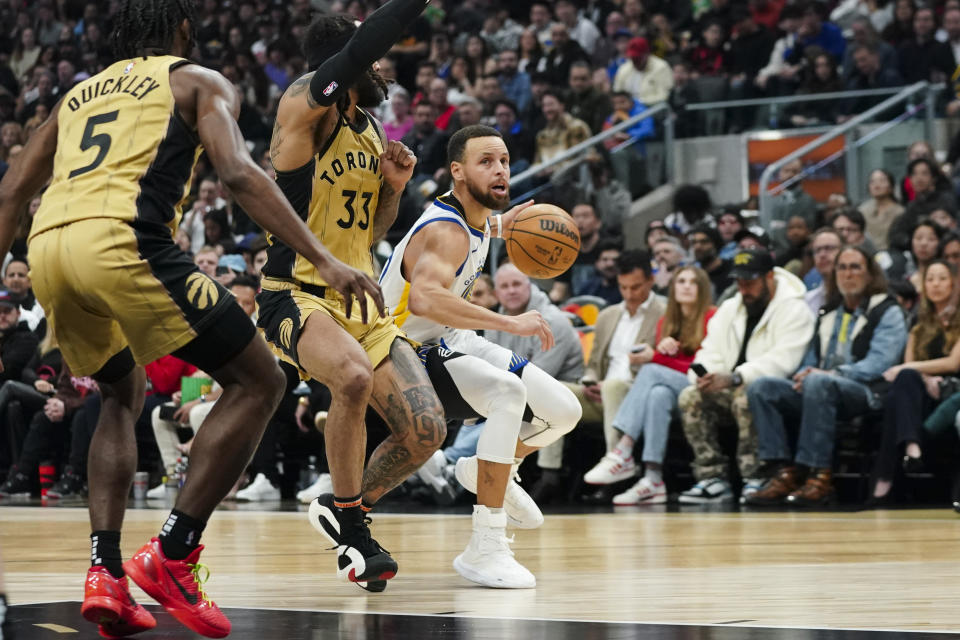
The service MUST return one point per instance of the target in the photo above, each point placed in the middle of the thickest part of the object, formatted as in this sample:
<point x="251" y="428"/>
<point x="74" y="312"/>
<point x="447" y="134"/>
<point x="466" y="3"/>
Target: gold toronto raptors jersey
<point x="336" y="193"/>
<point x="123" y="151"/>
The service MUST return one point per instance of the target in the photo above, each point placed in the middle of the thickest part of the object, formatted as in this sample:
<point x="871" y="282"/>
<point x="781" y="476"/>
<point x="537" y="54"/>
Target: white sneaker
<point x="432" y="473"/>
<point x="258" y="490"/>
<point x="707" y="490"/>
<point x="611" y="468"/>
<point x="644" y="492"/>
<point x="488" y="560"/>
<point x="521" y="510"/>
<point x="159" y="492"/>
<point x="322" y="485"/>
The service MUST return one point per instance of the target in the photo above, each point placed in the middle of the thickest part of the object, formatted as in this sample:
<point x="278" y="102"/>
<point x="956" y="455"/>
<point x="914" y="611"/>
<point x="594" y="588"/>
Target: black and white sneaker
<point x="18" y="484"/>
<point x="360" y="559"/>
<point x="707" y="491"/>
<point x="70" y="485"/>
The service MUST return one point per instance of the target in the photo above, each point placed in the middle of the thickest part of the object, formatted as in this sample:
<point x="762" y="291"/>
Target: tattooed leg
<point x="403" y="396"/>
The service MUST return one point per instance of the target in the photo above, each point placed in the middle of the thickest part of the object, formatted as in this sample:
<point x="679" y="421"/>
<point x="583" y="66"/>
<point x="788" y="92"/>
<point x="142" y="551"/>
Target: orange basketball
<point x="543" y="241"/>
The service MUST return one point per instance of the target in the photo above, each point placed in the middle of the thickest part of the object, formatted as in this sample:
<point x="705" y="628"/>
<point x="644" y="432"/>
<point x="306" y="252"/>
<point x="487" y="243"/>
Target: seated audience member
<point x="185" y="414"/>
<point x="795" y="256"/>
<point x="932" y="191"/>
<point x="705" y="243"/>
<point x="207" y="260"/>
<point x="648" y="407"/>
<point x="944" y="219"/>
<point x="825" y="246"/>
<point x="869" y="73"/>
<point x="691" y="206"/>
<point x="747" y="238"/>
<point x="590" y="227"/>
<point x="851" y="224"/>
<point x="933" y="352"/>
<point x="515" y="134"/>
<point x="564" y="361"/>
<point x="729" y="223"/>
<point x="835" y="203"/>
<point x="881" y="208"/>
<point x="16" y="279"/>
<point x="31" y="391"/>
<point x="668" y="256"/>
<point x="625" y="107"/>
<point x="792" y="201"/>
<point x="656" y="229"/>
<point x="761" y="332"/>
<point x="619" y="329"/>
<point x="853" y="344"/>
<point x="909" y="265"/>
<point x="17" y="342"/>
<point x="604" y="284"/>
<point x="244" y="289"/>
<point x="46" y="435"/>
<point x="950" y="248"/>
<point x="216" y="232"/>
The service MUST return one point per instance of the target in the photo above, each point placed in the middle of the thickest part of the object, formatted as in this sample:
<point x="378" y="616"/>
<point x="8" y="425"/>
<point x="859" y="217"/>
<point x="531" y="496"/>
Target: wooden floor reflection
<point x="895" y="571"/>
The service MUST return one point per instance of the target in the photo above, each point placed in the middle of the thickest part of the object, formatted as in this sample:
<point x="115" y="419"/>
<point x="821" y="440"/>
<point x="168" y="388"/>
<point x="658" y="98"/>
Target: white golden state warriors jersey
<point x="396" y="288"/>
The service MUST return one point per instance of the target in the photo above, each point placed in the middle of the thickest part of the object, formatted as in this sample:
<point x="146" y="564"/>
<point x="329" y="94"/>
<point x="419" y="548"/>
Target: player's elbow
<point x="419" y="300"/>
<point x="238" y="175"/>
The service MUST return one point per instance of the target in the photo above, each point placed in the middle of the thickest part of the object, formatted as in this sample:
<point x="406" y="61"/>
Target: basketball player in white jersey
<point x="426" y="285"/>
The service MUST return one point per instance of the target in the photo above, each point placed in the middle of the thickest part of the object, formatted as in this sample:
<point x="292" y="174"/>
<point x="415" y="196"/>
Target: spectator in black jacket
<point x="869" y="75"/>
<point x="583" y="100"/>
<point x="17" y="342"/>
<point x="923" y="57"/>
<point x="427" y="142"/>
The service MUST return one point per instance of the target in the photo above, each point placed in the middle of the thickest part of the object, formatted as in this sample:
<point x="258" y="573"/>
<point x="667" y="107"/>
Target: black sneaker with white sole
<point x="360" y="559"/>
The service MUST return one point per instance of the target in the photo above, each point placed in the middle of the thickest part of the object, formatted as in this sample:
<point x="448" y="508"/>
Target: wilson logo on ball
<point x="553" y="226"/>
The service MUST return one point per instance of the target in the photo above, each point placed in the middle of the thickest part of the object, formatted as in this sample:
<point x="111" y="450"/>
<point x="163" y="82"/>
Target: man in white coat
<point x="762" y="331"/>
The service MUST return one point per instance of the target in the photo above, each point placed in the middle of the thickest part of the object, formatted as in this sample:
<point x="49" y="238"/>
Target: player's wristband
<point x="499" y="225"/>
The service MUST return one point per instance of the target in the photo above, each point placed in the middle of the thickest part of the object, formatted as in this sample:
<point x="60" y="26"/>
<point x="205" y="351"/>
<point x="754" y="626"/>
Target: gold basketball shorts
<point x="283" y="308"/>
<point x="105" y="285"/>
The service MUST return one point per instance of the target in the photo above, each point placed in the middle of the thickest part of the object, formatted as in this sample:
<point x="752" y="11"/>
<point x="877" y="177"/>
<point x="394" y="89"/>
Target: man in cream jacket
<point x="762" y="331"/>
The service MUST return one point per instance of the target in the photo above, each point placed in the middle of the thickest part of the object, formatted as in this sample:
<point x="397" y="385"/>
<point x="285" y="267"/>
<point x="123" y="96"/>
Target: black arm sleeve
<point x="372" y="40"/>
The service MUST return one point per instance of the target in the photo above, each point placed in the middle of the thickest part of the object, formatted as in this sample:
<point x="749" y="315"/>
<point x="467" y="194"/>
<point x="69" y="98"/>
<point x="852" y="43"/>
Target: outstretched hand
<point x="352" y="283"/>
<point x="532" y="323"/>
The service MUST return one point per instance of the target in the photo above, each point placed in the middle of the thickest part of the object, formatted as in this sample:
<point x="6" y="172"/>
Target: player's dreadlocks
<point x="148" y="26"/>
<point x="327" y="35"/>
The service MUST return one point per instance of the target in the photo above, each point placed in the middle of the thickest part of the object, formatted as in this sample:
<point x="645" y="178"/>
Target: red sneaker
<point x="176" y="585"/>
<point x="107" y="602"/>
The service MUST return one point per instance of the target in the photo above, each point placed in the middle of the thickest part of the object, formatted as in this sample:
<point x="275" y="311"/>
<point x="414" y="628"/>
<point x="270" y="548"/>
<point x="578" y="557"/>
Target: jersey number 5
<point x="351" y="197"/>
<point x="101" y="140"/>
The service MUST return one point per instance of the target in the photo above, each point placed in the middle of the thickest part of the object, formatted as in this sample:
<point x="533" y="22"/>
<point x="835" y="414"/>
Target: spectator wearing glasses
<point x="825" y="246"/>
<point x="854" y="342"/>
<point x="850" y="224"/>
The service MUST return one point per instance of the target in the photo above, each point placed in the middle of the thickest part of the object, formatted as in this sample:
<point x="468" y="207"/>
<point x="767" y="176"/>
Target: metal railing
<point x="903" y="95"/>
<point x="578" y="149"/>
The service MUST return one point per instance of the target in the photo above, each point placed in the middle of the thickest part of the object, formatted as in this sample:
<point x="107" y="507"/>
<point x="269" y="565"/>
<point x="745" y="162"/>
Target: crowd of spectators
<point x="836" y="310"/>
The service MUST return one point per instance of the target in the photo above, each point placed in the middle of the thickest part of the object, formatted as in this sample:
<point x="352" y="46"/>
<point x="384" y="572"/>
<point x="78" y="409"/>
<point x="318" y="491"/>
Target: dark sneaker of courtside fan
<point x="176" y="584"/>
<point x="107" y="603"/>
<point x="360" y="558"/>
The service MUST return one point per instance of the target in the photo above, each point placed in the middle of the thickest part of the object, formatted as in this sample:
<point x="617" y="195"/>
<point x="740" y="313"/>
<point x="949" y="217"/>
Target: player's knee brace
<point x="506" y="400"/>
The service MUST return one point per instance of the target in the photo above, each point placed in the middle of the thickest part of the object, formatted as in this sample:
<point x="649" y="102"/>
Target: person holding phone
<point x="761" y="331"/>
<point x="647" y="408"/>
<point x="620" y="332"/>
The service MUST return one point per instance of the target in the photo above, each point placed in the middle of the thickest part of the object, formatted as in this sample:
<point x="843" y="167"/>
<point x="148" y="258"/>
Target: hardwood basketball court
<point x="635" y="573"/>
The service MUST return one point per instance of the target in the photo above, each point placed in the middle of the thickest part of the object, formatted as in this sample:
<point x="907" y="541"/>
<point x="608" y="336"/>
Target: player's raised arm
<point x="338" y="63"/>
<point x="217" y="106"/>
<point x="443" y="246"/>
<point x="26" y="176"/>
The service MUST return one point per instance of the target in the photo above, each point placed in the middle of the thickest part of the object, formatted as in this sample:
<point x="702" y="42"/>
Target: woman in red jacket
<point x="646" y="410"/>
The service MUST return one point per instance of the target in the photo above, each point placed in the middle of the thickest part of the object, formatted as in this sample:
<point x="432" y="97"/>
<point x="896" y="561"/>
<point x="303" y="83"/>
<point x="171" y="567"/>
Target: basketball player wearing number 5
<point x="345" y="179"/>
<point x="118" y="292"/>
<point x="426" y="285"/>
